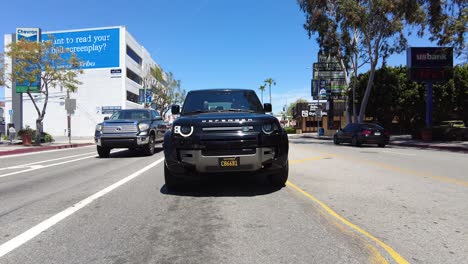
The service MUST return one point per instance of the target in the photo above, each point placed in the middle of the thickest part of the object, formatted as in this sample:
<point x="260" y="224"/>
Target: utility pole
<point x="68" y="119"/>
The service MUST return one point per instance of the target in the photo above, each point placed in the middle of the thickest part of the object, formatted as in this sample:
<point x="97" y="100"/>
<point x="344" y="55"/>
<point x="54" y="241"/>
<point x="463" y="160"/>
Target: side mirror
<point x="175" y="109"/>
<point x="267" y="107"/>
<point x="106" y="118"/>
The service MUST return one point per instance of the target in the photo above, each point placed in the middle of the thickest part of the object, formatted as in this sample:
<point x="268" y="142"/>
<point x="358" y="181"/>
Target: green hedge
<point x="290" y="130"/>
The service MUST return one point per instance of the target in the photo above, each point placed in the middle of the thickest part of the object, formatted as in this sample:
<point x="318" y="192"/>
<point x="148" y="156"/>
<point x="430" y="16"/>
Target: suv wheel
<point x="103" y="152"/>
<point x="149" y="148"/>
<point x="381" y="145"/>
<point x="280" y="178"/>
<point x="170" y="180"/>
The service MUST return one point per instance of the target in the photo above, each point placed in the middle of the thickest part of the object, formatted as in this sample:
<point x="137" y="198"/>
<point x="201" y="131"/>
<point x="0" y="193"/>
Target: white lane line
<point x="43" y="161"/>
<point x="19" y="240"/>
<point x="397" y="153"/>
<point x="52" y="165"/>
<point x="42" y="152"/>
<point x="45" y="166"/>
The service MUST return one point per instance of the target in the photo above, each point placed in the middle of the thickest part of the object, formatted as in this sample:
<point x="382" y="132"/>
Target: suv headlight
<point x="185" y="131"/>
<point x="143" y="126"/>
<point x="269" y="128"/>
<point x="99" y="127"/>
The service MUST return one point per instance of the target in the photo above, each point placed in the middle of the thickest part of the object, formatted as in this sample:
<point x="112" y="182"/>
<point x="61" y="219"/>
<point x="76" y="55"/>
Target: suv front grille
<point x="228" y="152"/>
<point x="119" y="128"/>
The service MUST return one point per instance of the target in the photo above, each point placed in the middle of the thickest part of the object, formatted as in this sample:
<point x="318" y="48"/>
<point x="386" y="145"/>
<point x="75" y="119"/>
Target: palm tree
<point x="270" y="82"/>
<point x="262" y="88"/>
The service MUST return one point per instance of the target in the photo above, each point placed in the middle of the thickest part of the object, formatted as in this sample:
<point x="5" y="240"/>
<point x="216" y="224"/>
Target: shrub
<point x="290" y="130"/>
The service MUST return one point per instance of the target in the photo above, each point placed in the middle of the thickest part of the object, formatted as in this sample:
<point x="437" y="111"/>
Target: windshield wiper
<point x="196" y="112"/>
<point x="239" y="110"/>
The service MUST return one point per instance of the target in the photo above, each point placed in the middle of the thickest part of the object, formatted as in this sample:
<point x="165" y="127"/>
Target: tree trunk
<point x="354" y="86"/>
<point x="38" y="132"/>
<point x="362" y="110"/>
<point x="270" y="92"/>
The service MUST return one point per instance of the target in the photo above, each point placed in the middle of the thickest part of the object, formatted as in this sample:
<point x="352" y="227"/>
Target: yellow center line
<point x="397" y="257"/>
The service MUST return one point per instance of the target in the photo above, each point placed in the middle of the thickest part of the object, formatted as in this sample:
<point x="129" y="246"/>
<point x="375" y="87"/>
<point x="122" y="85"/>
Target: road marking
<point x="42" y="152"/>
<point x="397" y="153"/>
<point x="397" y="257"/>
<point x="43" y="161"/>
<point x="19" y="240"/>
<point x="32" y="168"/>
<point x="45" y="166"/>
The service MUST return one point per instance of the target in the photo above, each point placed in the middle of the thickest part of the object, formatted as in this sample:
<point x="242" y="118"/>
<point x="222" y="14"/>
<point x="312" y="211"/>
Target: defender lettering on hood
<point x="227" y="120"/>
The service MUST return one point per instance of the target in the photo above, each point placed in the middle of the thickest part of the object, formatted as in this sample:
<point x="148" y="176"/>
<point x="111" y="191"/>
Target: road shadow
<point x="129" y="154"/>
<point x="224" y="185"/>
<point x="330" y="143"/>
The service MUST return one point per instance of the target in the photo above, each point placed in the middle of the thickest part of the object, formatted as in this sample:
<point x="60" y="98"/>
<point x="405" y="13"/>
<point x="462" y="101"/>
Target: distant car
<point x="135" y="129"/>
<point x="362" y="133"/>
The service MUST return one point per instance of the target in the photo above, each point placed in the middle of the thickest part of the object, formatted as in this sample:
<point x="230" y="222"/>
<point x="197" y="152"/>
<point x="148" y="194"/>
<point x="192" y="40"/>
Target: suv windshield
<point x="131" y="114"/>
<point x="220" y="101"/>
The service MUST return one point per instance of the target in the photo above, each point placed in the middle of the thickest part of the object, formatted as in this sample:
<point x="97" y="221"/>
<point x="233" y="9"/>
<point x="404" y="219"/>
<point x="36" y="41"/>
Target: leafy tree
<point x="54" y="69"/>
<point x="293" y="104"/>
<point x="153" y="77"/>
<point x="448" y="24"/>
<point x="270" y="82"/>
<point x="167" y="93"/>
<point x="395" y="96"/>
<point x="377" y="27"/>
<point x="262" y="89"/>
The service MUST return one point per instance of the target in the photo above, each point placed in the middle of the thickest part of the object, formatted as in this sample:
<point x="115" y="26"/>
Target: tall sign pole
<point x="429" y="65"/>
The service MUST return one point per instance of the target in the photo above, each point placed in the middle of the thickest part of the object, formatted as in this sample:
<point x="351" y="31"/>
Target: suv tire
<point x="148" y="149"/>
<point x="280" y="178"/>
<point x="103" y="152"/>
<point x="171" y="182"/>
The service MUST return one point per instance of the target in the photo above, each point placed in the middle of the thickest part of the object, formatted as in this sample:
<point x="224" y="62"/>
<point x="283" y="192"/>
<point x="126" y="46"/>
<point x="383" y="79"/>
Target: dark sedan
<point x="362" y="133"/>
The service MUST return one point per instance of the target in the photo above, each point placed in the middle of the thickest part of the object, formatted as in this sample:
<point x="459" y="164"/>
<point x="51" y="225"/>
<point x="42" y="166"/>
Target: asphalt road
<point x="341" y="205"/>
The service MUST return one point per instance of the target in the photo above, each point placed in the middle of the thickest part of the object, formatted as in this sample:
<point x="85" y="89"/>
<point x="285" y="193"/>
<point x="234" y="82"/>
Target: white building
<point x="114" y="64"/>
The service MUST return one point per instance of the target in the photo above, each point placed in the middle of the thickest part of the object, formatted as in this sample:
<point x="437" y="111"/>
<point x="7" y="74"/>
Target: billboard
<point x="429" y="64"/>
<point x="95" y="48"/>
<point x="31" y="35"/>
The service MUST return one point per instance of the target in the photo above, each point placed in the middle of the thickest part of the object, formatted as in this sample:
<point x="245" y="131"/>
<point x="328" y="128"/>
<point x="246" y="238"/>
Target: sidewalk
<point x="405" y="141"/>
<point x="60" y="143"/>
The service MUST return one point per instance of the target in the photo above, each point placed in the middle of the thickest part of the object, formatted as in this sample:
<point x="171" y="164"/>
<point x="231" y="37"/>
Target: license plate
<point x="229" y="162"/>
<point x="377" y="133"/>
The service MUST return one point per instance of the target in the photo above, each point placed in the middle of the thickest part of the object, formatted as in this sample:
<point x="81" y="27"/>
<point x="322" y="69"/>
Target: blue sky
<point x="205" y="43"/>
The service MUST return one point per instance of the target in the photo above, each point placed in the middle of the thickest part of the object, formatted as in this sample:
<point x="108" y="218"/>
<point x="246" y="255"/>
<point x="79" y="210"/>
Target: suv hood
<point x="225" y="118"/>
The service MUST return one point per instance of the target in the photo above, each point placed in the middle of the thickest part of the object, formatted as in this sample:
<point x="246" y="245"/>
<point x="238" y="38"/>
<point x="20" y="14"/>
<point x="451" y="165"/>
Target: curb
<point x="37" y="149"/>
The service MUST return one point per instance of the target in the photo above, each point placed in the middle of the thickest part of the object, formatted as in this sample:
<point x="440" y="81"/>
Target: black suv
<point x="225" y="131"/>
<point x="135" y="129"/>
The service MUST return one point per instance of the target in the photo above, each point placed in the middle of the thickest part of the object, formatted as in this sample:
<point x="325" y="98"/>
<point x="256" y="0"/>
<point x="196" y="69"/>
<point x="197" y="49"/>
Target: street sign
<point x="70" y="105"/>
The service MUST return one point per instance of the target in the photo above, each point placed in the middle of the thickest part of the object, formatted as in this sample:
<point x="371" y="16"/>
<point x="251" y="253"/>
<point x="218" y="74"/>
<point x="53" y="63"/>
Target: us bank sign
<point x="29" y="34"/>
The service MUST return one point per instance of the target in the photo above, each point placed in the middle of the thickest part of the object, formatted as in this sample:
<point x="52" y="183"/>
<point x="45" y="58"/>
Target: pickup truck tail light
<point x="387" y="133"/>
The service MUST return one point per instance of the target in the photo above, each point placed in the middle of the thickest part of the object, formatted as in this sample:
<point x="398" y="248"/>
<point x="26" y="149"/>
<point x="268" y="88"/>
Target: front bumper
<point x="250" y="162"/>
<point x="121" y="140"/>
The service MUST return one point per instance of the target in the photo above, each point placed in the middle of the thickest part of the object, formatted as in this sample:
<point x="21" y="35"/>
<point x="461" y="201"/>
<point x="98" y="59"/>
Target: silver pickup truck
<point x="135" y="129"/>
